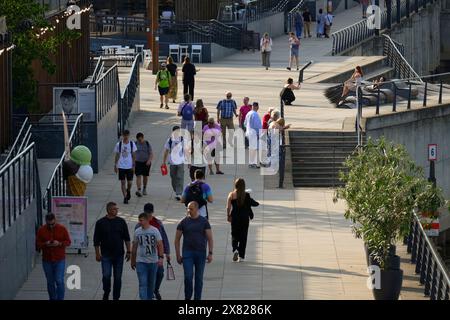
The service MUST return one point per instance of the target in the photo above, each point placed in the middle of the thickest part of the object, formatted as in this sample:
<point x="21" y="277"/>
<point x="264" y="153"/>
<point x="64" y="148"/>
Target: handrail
<point x="46" y="199"/>
<point x="432" y="270"/>
<point x="132" y="70"/>
<point x="127" y="97"/>
<point x="397" y="60"/>
<point x="19" y="137"/>
<point x="3" y="169"/>
<point x="292" y="12"/>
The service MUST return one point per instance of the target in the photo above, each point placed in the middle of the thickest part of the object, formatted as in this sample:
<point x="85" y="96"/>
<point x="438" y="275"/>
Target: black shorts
<point x="142" y="169"/>
<point x="126" y="173"/>
<point x="163" y="91"/>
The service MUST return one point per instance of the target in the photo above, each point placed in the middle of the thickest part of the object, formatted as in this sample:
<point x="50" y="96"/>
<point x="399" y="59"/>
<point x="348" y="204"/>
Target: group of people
<point x="148" y="247"/>
<point x="167" y="80"/>
<point x="302" y="21"/>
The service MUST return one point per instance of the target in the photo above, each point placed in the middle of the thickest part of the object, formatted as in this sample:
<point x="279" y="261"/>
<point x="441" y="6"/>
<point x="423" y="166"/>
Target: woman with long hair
<point x="239" y="213"/>
<point x="287" y="94"/>
<point x="200" y="112"/>
<point x="173" y="89"/>
<point x="355" y="80"/>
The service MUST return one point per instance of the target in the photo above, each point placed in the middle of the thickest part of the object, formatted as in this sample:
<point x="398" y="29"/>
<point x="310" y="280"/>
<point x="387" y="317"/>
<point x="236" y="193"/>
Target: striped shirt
<point x="227" y="107"/>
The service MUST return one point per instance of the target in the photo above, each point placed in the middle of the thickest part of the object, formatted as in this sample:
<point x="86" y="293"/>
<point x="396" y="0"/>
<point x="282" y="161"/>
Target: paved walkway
<point x="300" y="246"/>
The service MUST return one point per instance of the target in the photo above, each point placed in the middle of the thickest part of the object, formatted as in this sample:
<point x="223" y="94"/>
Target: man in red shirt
<point x="266" y="118"/>
<point x="52" y="239"/>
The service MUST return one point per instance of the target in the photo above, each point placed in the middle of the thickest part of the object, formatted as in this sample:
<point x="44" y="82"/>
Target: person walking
<point x="200" y="192"/>
<point x="174" y="151"/>
<point x="243" y="110"/>
<point x="53" y="238"/>
<point x="320" y="27"/>
<point x="287" y="94"/>
<point x="294" y="46"/>
<point x="239" y="214"/>
<point x="253" y="125"/>
<point x="125" y="163"/>
<point x="189" y="72"/>
<point x="163" y="83"/>
<point x="144" y="158"/>
<point x="149" y="210"/>
<point x="225" y="110"/>
<point x="328" y="23"/>
<point x="211" y="135"/>
<point x="110" y="234"/>
<point x="298" y="24"/>
<point x="364" y="6"/>
<point x="196" y="232"/>
<point x="266" y="49"/>
<point x="186" y="112"/>
<point x="200" y="112"/>
<point x="307" y="20"/>
<point x="146" y="256"/>
<point x="173" y="86"/>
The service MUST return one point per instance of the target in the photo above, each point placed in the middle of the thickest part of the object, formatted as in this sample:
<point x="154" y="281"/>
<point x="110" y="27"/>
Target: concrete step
<point x="319" y="169"/>
<point x="342" y="74"/>
<point x="307" y="163"/>
<point x="386" y="71"/>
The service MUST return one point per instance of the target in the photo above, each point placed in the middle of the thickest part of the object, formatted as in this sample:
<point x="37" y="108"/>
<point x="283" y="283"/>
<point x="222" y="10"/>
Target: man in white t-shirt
<point x="124" y="163"/>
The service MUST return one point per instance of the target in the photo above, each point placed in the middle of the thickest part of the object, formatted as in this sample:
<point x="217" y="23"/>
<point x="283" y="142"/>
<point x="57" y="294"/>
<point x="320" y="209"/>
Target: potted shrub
<point x="429" y="201"/>
<point x="381" y="187"/>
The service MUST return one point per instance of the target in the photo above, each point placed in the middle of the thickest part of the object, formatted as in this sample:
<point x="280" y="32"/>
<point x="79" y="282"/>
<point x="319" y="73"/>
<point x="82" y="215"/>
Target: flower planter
<point x="430" y="223"/>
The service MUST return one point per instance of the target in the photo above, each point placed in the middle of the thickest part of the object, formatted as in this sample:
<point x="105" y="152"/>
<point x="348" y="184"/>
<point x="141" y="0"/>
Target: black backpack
<point x="195" y="193"/>
<point x="131" y="146"/>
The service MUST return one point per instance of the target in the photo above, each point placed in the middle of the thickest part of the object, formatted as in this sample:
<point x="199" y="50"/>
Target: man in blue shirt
<point x="253" y="124"/>
<point x="225" y="110"/>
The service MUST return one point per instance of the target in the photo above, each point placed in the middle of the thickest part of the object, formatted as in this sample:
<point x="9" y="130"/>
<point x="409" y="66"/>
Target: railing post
<point x="394" y="104"/>
<point x="425" y="95"/>
<point x="399" y="11"/>
<point x="409" y="97"/>
<point x="416" y="6"/>
<point x="407" y="8"/>
<point x="282" y="155"/>
<point x="440" y="93"/>
<point x="377" y="111"/>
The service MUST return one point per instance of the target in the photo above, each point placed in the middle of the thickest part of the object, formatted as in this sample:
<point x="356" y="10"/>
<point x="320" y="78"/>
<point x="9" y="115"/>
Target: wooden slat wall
<point x="196" y="9"/>
<point x="72" y="63"/>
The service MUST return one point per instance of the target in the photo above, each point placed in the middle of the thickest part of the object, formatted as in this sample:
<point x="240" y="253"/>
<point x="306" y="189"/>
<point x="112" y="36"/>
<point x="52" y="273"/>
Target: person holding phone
<point x="53" y="238"/>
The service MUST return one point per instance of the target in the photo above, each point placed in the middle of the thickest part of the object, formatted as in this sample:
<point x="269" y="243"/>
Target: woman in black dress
<point x="239" y="213"/>
<point x="189" y="72"/>
<point x="173" y="89"/>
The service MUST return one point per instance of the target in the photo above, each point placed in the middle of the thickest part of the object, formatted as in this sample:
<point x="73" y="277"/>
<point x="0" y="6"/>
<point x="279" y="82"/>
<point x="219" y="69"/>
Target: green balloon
<point x="81" y="155"/>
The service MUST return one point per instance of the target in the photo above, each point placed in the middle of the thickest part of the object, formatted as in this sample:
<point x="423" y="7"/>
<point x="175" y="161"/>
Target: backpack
<point x="195" y="193"/>
<point x="146" y="142"/>
<point x="187" y="113"/>
<point x="158" y="76"/>
<point x="131" y="144"/>
<point x="170" y="142"/>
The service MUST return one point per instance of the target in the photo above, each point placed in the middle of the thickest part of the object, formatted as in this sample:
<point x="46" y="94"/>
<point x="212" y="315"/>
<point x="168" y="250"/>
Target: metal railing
<point x="290" y="15"/>
<point x="358" y="32"/>
<point x="19" y="186"/>
<point x="117" y="24"/>
<point x="129" y="94"/>
<point x="57" y="186"/>
<point x="106" y="92"/>
<point x="433" y="272"/>
<point x="396" y="60"/>
<point x="22" y="141"/>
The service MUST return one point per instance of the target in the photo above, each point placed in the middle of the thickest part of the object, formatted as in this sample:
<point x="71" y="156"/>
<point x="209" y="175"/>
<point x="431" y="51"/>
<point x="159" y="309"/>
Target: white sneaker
<point x="241" y="260"/>
<point x="236" y="256"/>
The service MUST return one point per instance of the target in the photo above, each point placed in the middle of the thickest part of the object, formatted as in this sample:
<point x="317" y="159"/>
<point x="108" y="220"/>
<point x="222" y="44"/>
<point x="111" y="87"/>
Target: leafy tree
<point x="25" y="20"/>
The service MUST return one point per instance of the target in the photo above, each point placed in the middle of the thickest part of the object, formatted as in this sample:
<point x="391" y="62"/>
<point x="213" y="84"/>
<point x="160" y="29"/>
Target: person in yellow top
<point x="163" y="82"/>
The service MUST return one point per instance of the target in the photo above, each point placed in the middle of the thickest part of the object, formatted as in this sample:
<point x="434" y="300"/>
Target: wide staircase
<point x="318" y="156"/>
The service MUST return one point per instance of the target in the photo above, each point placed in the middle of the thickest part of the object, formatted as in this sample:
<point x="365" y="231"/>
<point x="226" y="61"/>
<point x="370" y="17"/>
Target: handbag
<point x="170" y="273"/>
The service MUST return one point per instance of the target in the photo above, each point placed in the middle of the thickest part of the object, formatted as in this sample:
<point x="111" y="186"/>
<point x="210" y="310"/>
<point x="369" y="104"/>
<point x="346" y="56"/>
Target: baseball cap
<point x="163" y="64"/>
<point x="148" y="208"/>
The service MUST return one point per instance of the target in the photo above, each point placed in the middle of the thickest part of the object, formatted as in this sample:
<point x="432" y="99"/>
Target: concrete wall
<point x="17" y="253"/>
<point x="445" y="39"/>
<point x="415" y="129"/>
<point x="217" y="52"/>
<point x="274" y="25"/>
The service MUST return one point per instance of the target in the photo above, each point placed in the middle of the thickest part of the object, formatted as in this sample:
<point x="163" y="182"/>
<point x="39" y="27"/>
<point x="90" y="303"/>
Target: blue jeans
<point x="112" y="266"/>
<point x="146" y="273"/>
<point x="54" y="272"/>
<point x="191" y="259"/>
<point x="298" y="30"/>
<point x="159" y="278"/>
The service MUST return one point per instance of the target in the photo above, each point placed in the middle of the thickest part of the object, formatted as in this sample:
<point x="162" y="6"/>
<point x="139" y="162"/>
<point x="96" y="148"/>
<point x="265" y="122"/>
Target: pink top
<point x="210" y="134"/>
<point x="244" y="110"/>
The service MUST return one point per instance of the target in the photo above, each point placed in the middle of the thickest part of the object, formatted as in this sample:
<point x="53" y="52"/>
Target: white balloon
<point x="85" y="173"/>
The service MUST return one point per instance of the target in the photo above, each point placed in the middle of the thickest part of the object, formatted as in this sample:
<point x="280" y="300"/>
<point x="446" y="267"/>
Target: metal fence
<point x="128" y="96"/>
<point x="57" y="185"/>
<point x="21" y="142"/>
<point x="291" y="14"/>
<point x="19" y="186"/>
<point x="106" y="92"/>
<point x="433" y="273"/>
<point x="395" y="59"/>
<point x="358" y="32"/>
